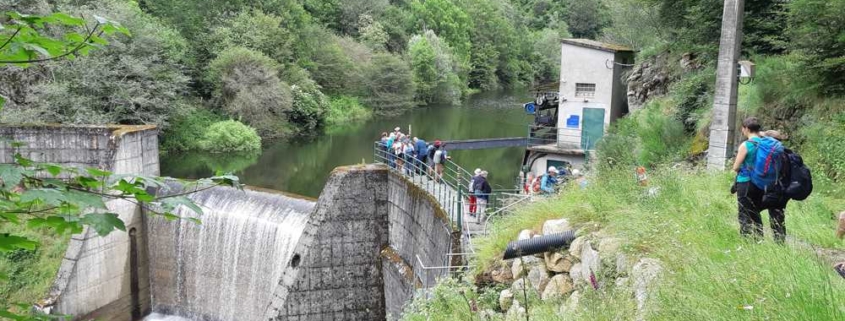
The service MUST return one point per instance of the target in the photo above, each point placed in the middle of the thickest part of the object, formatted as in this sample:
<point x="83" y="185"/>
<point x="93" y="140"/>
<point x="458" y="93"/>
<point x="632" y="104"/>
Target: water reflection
<point x="302" y="167"/>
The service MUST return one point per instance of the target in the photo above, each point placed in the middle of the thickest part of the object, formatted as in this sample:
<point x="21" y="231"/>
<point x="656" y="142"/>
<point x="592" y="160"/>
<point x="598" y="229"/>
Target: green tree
<point x="135" y="80"/>
<point x="256" y="30"/>
<point x="435" y="70"/>
<point x="423" y="66"/>
<point x="586" y="18"/>
<point x="389" y="84"/>
<point x="247" y="88"/>
<point x="230" y="136"/>
<point x="448" y="20"/>
<point x="817" y="33"/>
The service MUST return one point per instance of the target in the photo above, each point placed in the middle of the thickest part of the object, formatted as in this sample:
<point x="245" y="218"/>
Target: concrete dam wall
<point x="356" y="254"/>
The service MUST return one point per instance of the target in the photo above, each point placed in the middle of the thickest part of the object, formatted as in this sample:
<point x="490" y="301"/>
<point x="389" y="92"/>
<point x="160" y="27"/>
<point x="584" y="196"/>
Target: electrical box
<point x="746" y="69"/>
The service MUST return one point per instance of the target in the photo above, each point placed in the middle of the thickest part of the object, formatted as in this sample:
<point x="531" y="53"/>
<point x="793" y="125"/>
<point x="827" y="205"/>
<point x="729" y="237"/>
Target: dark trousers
<point x="749" y="202"/>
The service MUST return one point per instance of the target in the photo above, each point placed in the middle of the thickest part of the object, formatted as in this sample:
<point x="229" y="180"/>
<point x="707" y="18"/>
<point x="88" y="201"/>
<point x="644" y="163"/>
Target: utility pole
<point x="723" y="128"/>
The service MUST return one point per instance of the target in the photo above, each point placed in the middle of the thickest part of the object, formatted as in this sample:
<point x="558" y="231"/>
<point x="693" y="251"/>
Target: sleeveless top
<point x="745" y="169"/>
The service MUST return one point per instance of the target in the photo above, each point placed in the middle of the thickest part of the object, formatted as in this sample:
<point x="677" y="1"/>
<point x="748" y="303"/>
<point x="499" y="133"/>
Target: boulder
<point x="559" y="286"/>
<point x="622" y="283"/>
<point x="576" y="275"/>
<point x="621" y="264"/>
<point x="645" y="274"/>
<point x="539" y="277"/>
<point x="502" y="275"/>
<point x="505" y="299"/>
<point x="556" y="226"/>
<point x="575" y="247"/>
<point x="518" y="270"/>
<point x="609" y="247"/>
<point x="558" y="262"/>
<point x="516" y="312"/>
<point x="524" y="235"/>
<point x="570" y="307"/>
<point x="590" y="262"/>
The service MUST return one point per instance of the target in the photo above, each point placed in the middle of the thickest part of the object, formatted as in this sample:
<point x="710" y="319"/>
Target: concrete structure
<point x="591" y="96"/>
<point x="723" y="128"/>
<point x="361" y="254"/>
<point x="355" y="259"/>
<point x="96" y="273"/>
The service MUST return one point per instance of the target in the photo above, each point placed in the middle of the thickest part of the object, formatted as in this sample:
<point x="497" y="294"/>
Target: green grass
<point x="29" y="274"/>
<point x="691" y="226"/>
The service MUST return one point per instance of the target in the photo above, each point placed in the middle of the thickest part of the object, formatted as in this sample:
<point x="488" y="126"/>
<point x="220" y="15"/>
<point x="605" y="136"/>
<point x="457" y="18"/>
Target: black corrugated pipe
<point x="539" y="244"/>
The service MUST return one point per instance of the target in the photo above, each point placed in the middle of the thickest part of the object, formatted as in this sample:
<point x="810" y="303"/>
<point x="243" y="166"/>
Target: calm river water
<point x="302" y="167"/>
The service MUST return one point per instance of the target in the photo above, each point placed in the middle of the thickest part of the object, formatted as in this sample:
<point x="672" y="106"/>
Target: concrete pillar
<point x="723" y="128"/>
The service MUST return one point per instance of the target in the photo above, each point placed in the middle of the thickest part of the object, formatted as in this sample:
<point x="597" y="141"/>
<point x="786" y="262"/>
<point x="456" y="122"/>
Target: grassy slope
<point x="30" y="273"/>
<point x="691" y="226"/>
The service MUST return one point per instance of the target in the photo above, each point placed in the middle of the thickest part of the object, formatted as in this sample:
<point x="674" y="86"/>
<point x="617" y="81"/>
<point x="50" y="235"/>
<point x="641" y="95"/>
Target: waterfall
<point x="226" y="268"/>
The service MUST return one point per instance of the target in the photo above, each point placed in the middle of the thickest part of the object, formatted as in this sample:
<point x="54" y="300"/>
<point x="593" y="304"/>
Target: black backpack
<point x="797" y="181"/>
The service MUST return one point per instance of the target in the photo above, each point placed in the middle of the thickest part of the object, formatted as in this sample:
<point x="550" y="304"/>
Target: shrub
<point x="230" y="136"/>
<point x="389" y="85"/>
<point x="309" y="109"/>
<point x="133" y="80"/>
<point x="187" y="129"/>
<point x="247" y="88"/>
<point x="434" y="69"/>
<point x="255" y="30"/>
<point x="815" y="29"/>
<point x="344" y="109"/>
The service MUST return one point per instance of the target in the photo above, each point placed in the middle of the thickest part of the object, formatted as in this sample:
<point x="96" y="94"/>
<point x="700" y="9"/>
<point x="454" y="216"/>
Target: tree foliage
<point x="389" y="84"/>
<point x="435" y="70"/>
<point x="247" y="88"/>
<point x="230" y="136"/>
<point x="817" y="32"/>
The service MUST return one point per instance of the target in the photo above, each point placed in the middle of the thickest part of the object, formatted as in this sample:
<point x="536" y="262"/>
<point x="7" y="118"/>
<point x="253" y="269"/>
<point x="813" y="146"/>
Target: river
<point x="303" y="166"/>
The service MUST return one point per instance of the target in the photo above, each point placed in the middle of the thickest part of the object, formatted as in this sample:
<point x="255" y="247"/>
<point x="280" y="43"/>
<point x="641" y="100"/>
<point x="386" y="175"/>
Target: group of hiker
<point x="548" y="183"/>
<point x="413" y="155"/>
<point x="768" y="177"/>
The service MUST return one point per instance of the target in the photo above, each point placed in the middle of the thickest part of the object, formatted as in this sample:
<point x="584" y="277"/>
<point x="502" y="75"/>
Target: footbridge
<point x="451" y="189"/>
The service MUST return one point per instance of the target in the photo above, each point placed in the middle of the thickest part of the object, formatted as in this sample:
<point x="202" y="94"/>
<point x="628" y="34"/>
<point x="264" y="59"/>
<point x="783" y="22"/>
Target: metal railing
<point x="557" y="136"/>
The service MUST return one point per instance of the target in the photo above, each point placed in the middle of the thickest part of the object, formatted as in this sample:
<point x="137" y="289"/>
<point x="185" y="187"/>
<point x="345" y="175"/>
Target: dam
<point x="357" y="252"/>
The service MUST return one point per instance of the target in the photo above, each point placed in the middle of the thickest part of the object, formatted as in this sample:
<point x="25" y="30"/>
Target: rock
<point x="502" y="275"/>
<point x="621" y="264"/>
<point x="622" y="283"/>
<point x="645" y="273"/>
<point x="516" y="312"/>
<point x="517" y="269"/>
<point x="505" y="299"/>
<point x="575" y="273"/>
<point x="558" y="262"/>
<point x="556" y="226"/>
<point x="609" y="251"/>
<point x="524" y="235"/>
<point x="590" y="262"/>
<point x="571" y="305"/>
<point x="575" y="247"/>
<point x="559" y="286"/>
<point x="539" y="277"/>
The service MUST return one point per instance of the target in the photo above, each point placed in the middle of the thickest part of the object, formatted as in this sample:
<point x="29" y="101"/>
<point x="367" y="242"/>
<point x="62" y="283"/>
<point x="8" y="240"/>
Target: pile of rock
<point x="590" y="263"/>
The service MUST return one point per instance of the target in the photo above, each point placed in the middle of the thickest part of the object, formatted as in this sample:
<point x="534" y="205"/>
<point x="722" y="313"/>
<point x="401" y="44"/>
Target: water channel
<point x="303" y="166"/>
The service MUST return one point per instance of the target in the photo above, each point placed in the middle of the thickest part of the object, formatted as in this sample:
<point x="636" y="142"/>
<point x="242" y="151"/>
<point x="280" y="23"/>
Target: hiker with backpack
<point x="439" y="158"/>
<point x="768" y="175"/>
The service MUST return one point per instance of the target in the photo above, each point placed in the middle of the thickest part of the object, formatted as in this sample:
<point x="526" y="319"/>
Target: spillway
<point x="227" y="267"/>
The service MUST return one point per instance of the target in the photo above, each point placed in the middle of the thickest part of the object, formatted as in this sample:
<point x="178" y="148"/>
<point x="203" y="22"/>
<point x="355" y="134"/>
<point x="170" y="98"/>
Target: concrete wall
<point x="355" y="259"/>
<point x="95" y="272"/>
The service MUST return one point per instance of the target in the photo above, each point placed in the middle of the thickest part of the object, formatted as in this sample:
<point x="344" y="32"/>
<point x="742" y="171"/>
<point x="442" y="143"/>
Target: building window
<point x="585" y="90"/>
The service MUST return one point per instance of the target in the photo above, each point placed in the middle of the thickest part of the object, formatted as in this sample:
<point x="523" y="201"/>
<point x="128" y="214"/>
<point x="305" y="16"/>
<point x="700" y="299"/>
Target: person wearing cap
<point x="482" y="192"/>
<point x="549" y="181"/>
<point x="473" y="205"/>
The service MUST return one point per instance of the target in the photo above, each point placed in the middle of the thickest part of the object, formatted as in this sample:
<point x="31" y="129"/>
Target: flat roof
<point x="592" y="44"/>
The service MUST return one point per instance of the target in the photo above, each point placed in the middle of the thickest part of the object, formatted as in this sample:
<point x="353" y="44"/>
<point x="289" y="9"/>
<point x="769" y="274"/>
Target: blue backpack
<point x="768" y="163"/>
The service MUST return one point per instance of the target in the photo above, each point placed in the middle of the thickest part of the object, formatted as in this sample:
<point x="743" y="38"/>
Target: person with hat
<point x="482" y="191"/>
<point x="473" y="205"/>
<point x="549" y="181"/>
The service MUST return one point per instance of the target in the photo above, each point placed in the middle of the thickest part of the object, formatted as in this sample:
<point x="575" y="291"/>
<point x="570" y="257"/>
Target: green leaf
<point x="195" y="220"/>
<point x="103" y="223"/>
<point x="43" y="195"/>
<point x="2" y="101"/>
<point x="182" y="200"/>
<point x="10" y="242"/>
<point x="58" y="223"/>
<point x="84" y="199"/>
<point x="23" y="161"/>
<point x="11" y="175"/>
<point x="53" y="169"/>
<point x="89" y="182"/>
<point x="98" y="172"/>
<point x="170" y="216"/>
<point x="65" y="19"/>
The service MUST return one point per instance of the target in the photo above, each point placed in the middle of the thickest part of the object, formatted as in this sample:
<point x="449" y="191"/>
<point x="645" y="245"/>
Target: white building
<point x="592" y="94"/>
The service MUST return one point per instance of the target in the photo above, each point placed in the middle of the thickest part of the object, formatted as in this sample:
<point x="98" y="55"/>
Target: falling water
<point x="227" y="267"/>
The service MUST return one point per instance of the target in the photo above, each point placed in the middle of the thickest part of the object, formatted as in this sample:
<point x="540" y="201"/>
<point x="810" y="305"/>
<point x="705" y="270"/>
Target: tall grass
<point x="28" y="274"/>
<point x="691" y="226"/>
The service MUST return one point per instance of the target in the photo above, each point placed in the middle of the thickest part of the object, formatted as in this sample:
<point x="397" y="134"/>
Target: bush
<point x="230" y="136"/>
<point x="187" y="130"/>
<point x="247" y="88"/>
<point x="309" y="109"/>
<point x="255" y="30"/>
<point x="434" y="70"/>
<point x="815" y="29"/>
<point x="389" y="85"/>
<point x="133" y="80"/>
<point x="345" y="109"/>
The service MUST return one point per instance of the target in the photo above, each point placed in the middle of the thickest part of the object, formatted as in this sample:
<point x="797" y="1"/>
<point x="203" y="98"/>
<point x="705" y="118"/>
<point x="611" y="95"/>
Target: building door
<point x="592" y="127"/>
